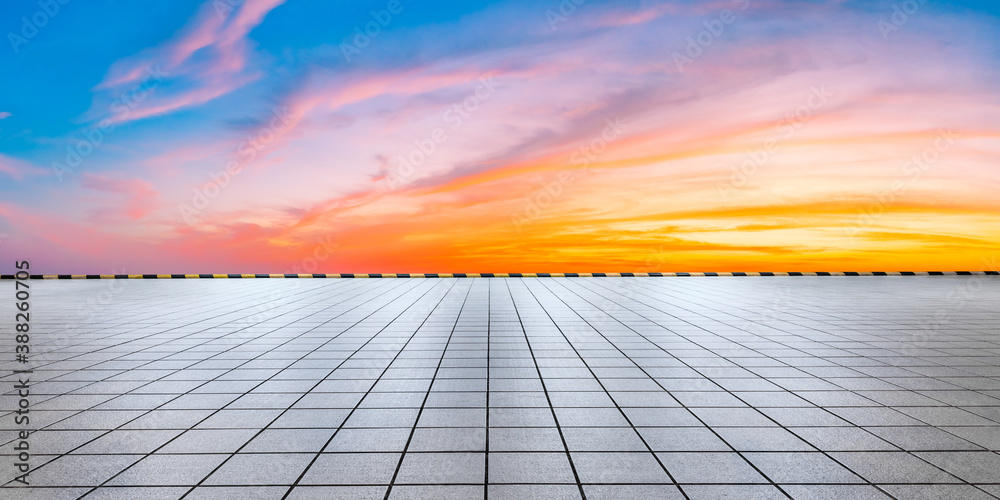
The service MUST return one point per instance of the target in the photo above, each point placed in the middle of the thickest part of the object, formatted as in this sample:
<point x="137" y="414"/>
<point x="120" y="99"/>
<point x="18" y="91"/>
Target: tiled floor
<point x="747" y="387"/>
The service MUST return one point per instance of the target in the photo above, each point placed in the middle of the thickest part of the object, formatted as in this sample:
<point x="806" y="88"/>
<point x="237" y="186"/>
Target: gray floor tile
<point x="452" y="417"/>
<point x="547" y="491"/>
<point x="521" y="417"/>
<point x="993" y="489"/>
<point x="790" y="468"/>
<point x="373" y="440"/>
<point x="442" y="492"/>
<point x="169" y="470"/>
<point x="525" y="439"/>
<point x="80" y="470"/>
<point x="381" y="418"/>
<point x="114" y="442"/>
<point x="351" y="468"/>
<point x="834" y="492"/>
<point x="971" y="466"/>
<point x="602" y="439"/>
<point x="986" y="437"/>
<point x="310" y="419"/>
<point x="449" y="439"/>
<point x="657" y="417"/>
<point x="235" y="493"/>
<point x="41" y="493"/>
<point x="144" y="493"/>
<point x="946" y="416"/>
<point x="442" y="468"/>
<point x="935" y="492"/>
<point x="260" y="469"/>
<point x="168" y="419"/>
<point x="762" y="439"/>
<point x="590" y="417"/>
<point x="684" y="439"/>
<point x="337" y="493"/>
<point x="209" y="441"/>
<point x="842" y="439"/>
<point x="710" y="467"/>
<point x="798" y="417"/>
<point x="240" y="419"/>
<point x="732" y="417"/>
<point x="631" y="491"/>
<point x="289" y="441"/>
<point x="866" y="417"/>
<point x="922" y="438"/>
<point x="737" y="491"/>
<point x="545" y="468"/>
<point x="635" y="467"/>
<point x="892" y="467"/>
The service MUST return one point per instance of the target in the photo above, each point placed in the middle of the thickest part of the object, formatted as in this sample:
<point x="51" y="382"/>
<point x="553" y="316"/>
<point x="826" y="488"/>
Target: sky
<point x="394" y="136"/>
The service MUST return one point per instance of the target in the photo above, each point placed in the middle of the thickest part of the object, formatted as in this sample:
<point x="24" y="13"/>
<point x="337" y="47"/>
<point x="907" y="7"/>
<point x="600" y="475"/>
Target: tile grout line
<point x="416" y="421"/>
<point x="548" y="398"/>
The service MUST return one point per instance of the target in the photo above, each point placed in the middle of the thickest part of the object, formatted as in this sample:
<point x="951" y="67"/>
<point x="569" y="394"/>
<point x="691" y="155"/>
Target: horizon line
<point x="489" y="275"/>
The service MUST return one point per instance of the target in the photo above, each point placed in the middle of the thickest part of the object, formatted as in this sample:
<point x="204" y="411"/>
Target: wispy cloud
<point x="208" y="58"/>
<point x="18" y="169"/>
<point x="139" y="195"/>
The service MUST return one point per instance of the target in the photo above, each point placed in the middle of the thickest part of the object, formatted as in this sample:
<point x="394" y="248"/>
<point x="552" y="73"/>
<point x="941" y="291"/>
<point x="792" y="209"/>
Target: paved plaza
<point x="551" y="388"/>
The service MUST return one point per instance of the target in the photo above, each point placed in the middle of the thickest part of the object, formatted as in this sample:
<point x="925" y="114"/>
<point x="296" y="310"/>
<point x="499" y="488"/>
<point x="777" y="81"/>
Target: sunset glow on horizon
<point x="273" y="136"/>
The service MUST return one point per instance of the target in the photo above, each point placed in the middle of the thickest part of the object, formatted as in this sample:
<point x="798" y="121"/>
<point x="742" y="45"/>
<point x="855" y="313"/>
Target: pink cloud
<point x="140" y="195"/>
<point x="55" y="230"/>
<point x="220" y="35"/>
<point x="18" y="168"/>
<point x="5" y="114"/>
<point x="176" y="102"/>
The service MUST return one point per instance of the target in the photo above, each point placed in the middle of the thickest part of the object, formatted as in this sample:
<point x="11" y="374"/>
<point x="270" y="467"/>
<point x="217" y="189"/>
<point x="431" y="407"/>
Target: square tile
<point x="260" y="469"/>
<point x="351" y="468"/>
<point x="971" y="466"/>
<point x="547" y="468"/>
<point x="80" y="470"/>
<point x="448" y="439"/>
<point x="834" y="492"/>
<point x="547" y="491"/>
<point x="305" y="492"/>
<point x="683" y="439"/>
<point x="602" y="439"/>
<point x="310" y="419"/>
<point x="209" y="441"/>
<point x="289" y="441"/>
<point x="435" y="492"/>
<point x="631" y="491"/>
<point x="452" y="417"/>
<point x="892" y="467"/>
<point x="371" y="418"/>
<point x="169" y="470"/>
<point x="590" y="417"/>
<point x="630" y="467"/>
<point x="120" y="442"/>
<point x="442" y="468"/>
<point x="842" y="439"/>
<point x="702" y="468"/>
<point x="521" y="417"/>
<point x="373" y="440"/>
<point x="791" y="468"/>
<point x="145" y="493"/>
<point x="733" y="491"/>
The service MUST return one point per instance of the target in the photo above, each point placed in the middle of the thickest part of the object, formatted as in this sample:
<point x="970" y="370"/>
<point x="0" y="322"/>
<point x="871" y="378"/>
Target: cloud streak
<point x="207" y="59"/>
